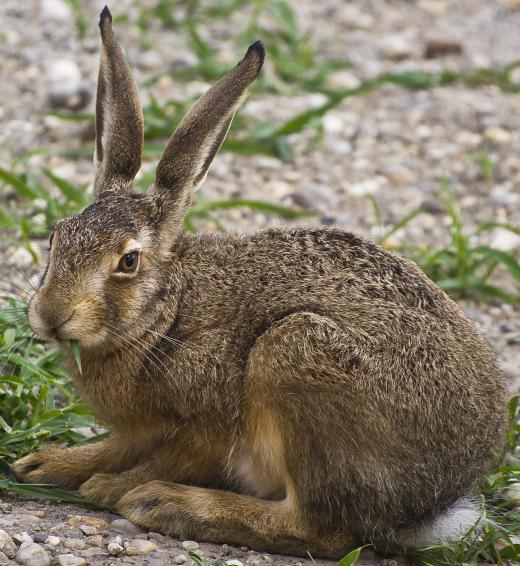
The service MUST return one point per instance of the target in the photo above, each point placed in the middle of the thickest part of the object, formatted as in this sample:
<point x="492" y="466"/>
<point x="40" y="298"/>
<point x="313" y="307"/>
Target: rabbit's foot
<point x="156" y="505"/>
<point x="226" y="517"/>
<point x="48" y="466"/>
<point x="106" y="489"/>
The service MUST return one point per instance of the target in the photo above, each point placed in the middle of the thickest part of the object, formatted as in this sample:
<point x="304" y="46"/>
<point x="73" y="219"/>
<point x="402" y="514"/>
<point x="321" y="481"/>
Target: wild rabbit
<point x="291" y="390"/>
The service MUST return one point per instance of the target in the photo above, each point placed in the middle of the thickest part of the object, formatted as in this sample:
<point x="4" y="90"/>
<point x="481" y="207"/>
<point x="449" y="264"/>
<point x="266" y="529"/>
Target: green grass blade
<point x="505" y="258"/>
<point x="44" y="491"/>
<point x="68" y="190"/>
<point x="351" y="558"/>
<point x="270" y="207"/>
<point x="74" y="346"/>
<point x="18" y="185"/>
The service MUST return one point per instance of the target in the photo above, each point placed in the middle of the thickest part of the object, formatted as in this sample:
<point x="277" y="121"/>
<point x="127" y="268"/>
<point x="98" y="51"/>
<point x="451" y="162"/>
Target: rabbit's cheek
<point x="87" y="323"/>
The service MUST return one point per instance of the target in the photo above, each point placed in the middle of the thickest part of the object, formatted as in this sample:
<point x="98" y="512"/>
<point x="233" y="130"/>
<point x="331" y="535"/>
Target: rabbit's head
<point x="106" y="265"/>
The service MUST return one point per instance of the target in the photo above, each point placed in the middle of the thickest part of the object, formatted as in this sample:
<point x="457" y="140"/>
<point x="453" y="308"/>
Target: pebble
<point x="125" y="527"/>
<point x="92" y="521"/>
<point x="55" y="10"/>
<point x="75" y="544"/>
<point x="315" y="197"/>
<point x="180" y="559"/>
<point x="114" y="548"/>
<point x="442" y="48"/>
<point x="234" y="562"/>
<point x="53" y="540"/>
<point x="7" y="545"/>
<point x="40" y="538"/>
<point x="95" y="540"/>
<point x="157" y="537"/>
<point x="505" y="240"/>
<point x="32" y="554"/>
<point x="395" y="47"/>
<point x="20" y="538"/>
<point x="140" y="546"/>
<point x="71" y="560"/>
<point x="190" y="545"/>
<point x="88" y="530"/>
<point x="498" y="135"/>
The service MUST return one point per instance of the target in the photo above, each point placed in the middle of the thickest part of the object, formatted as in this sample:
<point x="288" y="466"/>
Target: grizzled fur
<point x="291" y="390"/>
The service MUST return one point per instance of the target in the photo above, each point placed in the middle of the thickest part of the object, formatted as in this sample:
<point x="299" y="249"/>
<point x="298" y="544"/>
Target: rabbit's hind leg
<point x="225" y="517"/>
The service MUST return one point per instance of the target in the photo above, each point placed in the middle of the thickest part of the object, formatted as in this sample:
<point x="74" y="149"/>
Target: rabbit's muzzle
<point x="58" y="320"/>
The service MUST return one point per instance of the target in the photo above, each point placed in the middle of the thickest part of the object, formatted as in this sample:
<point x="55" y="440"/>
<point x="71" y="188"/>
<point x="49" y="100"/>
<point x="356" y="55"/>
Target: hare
<point x="293" y="390"/>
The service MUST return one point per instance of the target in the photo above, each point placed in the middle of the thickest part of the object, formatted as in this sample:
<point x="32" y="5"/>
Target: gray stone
<point x="190" y="545"/>
<point x="7" y="545"/>
<point x="88" y="530"/>
<point x="125" y="527"/>
<point x="180" y="559"/>
<point x="71" y="560"/>
<point x="75" y="544"/>
<point x="32" y="554"/>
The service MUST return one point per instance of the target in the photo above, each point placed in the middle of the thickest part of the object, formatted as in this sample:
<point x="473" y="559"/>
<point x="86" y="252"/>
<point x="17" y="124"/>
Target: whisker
<point x="170" y="339"/>
<point x="139" y="351"/>
<point x="11" y="284"/>
<point x="18" y="269"/>
<point x="150" y="350"/>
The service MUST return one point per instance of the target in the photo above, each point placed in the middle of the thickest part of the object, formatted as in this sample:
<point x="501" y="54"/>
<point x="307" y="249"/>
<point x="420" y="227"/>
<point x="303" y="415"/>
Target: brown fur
<point x="292" y="390"/>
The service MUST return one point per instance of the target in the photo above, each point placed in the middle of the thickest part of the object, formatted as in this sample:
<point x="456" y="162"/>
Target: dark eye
<point x="51" y="238"/>
<point x="128" y="263"/>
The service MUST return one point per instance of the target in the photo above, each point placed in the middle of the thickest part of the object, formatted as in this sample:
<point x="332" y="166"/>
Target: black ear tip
<point x="105" y="15"/>
<point x="258" y="48"/>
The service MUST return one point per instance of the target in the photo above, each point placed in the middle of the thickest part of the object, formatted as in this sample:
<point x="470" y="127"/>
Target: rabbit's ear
<point x="119" y="116"/>
<point x="192" y="147"/>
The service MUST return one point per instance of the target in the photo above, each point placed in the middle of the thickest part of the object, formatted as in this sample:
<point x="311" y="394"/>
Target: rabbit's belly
<point x="260" y="465"/>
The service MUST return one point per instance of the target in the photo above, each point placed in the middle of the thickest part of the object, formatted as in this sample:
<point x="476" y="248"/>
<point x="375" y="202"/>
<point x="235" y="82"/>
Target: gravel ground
<point x="392" y="144"/>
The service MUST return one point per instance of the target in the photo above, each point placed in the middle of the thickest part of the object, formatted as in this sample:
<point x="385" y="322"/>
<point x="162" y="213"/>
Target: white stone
<point x="32" y="554"/>
<point x="114" y="548"/>
<point x="367" y="187"/>
<point x="63" y="77"/>
<point x="498" y="135"/>
<point x="53" y="540"/>
<point x="343" y="79"/>
<point x="7" y="545"/>
<point x="71" y="560"/>
<point x="504" y="240"/>
<point x="55" y="10"/>
<point x="234" y="562"/>
<point x="190" y="545"/>
<point x="395" y="47"/>
<point x="180" y="559"/>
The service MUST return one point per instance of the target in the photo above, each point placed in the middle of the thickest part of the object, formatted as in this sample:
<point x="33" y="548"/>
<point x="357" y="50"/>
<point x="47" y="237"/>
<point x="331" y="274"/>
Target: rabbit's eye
<point x="51" y="238"/>
<point x="128" y="263"/>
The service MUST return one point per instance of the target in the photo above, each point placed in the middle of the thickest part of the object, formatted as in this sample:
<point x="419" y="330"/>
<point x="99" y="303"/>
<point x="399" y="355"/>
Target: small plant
<point x="461" y="268"/>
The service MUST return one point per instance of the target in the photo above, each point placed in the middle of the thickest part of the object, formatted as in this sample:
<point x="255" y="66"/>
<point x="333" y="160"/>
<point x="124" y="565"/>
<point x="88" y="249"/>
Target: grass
<point x="39" y="405"/>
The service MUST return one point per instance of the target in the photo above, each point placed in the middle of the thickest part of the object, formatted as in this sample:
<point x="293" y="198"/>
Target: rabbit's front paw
<point x="105" y="489"/>
<point x="47" y="466"/>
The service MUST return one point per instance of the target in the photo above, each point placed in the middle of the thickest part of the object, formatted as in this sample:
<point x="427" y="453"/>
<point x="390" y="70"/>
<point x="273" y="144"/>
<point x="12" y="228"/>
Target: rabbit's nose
<point x="55" y="321"/>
